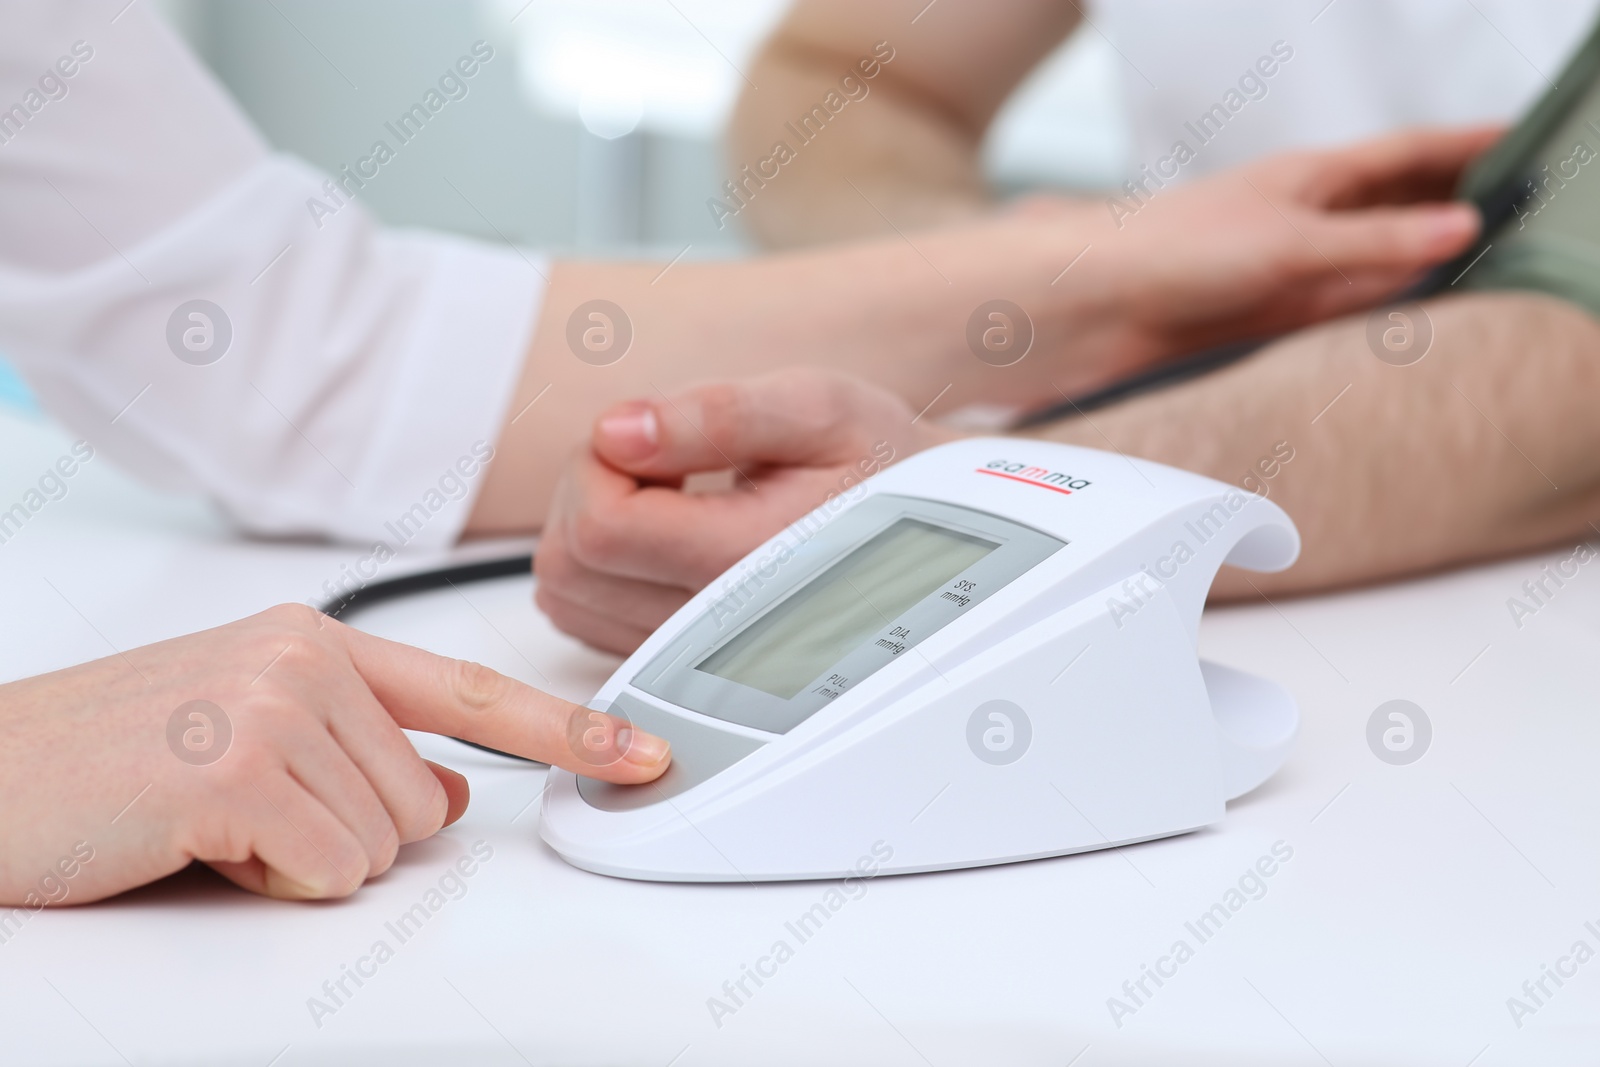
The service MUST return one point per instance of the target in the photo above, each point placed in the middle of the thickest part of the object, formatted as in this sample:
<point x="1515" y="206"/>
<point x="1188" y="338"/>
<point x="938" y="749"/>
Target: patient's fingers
<point x="1395" y="238"/>
<point x="637" y="602"/>
<point x="795" y="417"/>
<point x="467" y="700"/>
<point x="1398" y="168"/>
<point x="1365" y="190"/>
<point x="604" y="632"/>
<point x="626" y="545"/>
<point x="654" y="534"/>
<point x="610" y="523"/>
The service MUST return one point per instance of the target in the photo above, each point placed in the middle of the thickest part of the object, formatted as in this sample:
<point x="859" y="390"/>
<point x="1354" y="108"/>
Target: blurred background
<point x="595" y="130"/>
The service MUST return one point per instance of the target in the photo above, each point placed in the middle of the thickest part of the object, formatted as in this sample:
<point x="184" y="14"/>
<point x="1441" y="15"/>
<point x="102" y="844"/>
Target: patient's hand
<point x="1281" y="243"/>
<point x="270" y="748"/>
<point x="626" y="546"/>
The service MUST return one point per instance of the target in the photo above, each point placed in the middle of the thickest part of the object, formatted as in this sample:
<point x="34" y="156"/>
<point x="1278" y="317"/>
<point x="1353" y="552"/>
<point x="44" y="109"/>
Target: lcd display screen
<point x="861" y="594"/>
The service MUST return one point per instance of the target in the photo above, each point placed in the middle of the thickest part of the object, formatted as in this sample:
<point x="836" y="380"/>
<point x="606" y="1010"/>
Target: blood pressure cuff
<point x="1539" y="190"/>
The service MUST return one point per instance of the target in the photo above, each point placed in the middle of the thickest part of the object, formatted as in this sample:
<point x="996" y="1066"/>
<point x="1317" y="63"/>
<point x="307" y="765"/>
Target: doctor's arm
<point x="270" y="749"/>
<point x="1484" y="448"/>
<point x="223" y="320"/>
<point x="1248" y="253"/>
<point x="908" y="148"/>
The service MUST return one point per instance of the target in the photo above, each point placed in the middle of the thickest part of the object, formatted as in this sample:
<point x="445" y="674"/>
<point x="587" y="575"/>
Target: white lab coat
<point x="365" y="364"/>
<point x="1358" y="68"/>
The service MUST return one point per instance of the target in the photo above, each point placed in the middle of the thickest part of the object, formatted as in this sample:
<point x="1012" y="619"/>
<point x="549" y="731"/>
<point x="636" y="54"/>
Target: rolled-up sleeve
<point x="218" y="318"/>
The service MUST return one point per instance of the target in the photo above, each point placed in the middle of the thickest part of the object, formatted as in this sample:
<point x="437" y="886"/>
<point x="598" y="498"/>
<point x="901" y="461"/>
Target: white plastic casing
<point x="1132" y="737"/>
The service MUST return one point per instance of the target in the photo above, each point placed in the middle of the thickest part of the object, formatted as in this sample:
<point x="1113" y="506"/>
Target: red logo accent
<point x="1024" y="481"/>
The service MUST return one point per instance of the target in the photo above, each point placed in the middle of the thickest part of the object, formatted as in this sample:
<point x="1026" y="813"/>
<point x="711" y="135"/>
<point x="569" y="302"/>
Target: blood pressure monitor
<point x="983" y="654"/>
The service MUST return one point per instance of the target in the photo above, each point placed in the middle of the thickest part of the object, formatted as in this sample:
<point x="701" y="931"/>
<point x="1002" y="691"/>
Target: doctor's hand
<point x="627" y="544"/>
<point x="1277" y="244"/>
<point x="269" y="748"/>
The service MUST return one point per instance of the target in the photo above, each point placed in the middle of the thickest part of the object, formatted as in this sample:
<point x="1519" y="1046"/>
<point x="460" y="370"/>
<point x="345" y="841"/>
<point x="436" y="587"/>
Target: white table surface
<point x="1419" y="898"/>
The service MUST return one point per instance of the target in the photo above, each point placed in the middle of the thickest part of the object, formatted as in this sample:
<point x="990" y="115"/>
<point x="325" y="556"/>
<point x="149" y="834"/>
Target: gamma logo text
<point x="1057" y="481"/>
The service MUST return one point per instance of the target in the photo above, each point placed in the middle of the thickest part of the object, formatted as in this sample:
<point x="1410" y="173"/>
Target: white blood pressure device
<point x="985" y="653"/>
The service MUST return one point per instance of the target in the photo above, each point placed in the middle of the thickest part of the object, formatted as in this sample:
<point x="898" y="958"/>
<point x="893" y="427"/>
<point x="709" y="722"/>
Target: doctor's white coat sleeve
<point x="368" y="371"/>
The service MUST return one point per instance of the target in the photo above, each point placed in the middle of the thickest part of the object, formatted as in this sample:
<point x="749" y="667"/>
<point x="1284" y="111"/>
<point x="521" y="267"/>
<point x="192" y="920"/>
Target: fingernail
<point x="629" y="431"/>
<point x="642" y="749"/>
<point x="1450" y="223"/>
<point x="283" y="886"/>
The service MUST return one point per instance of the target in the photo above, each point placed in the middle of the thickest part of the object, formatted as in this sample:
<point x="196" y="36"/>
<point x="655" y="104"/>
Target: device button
<point x="698" y="752"/>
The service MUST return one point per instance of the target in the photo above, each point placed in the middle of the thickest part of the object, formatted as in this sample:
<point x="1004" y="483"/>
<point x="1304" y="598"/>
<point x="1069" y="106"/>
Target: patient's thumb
<point x="791" y="418"/>
<point x="628" y="436"/>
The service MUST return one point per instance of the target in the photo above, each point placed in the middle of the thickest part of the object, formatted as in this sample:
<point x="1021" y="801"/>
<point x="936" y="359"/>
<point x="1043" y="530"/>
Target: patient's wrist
<point x="1051" y="257"/>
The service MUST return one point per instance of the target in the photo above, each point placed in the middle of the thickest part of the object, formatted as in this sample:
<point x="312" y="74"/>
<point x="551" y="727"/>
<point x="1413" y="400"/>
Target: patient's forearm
<point x="1487" y="446"/>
